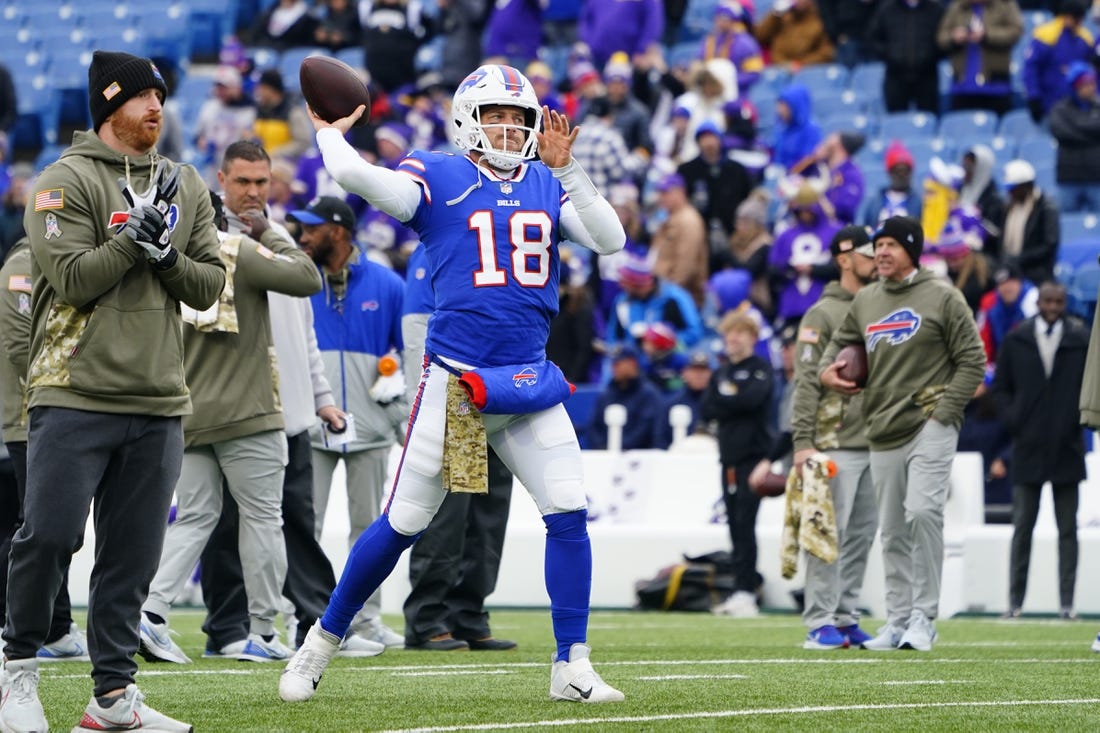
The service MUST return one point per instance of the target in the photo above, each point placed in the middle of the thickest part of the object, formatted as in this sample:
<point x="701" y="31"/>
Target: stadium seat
<point x="820" y="78"/>
<point x="1036" y="150"/>
<point x="264" y="57"/>
<point x="1017" y="124"/>
<point x="867" y="78"/>
<point x="429" y="57"/>
<point x="1083" y="290"/>
<point x="47" y="155"/>
<point x="846" y="121"/>
<point x="682" y="54"/>
<point x="698" y="20"/>
<point x="1082" y="228"/>
<point x="775" y="77"/>
<point x="960" y="123"/>
<point x="907" y="126"/>
<point x="38" y="111"/>
<point x="846" y="102"/>
<point x="353" y="57"/>
<point x="164" y="26"/>
<point x="121" y="38"/>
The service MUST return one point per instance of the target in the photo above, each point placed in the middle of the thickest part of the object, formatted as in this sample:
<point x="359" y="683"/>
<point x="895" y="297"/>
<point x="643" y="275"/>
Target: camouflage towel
<point x="465" y="452"/>
<point x="222" y="316"/>
<point x="809" y="521"/>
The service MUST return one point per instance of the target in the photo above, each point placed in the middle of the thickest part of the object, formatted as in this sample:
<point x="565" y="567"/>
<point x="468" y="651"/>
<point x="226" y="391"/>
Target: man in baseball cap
<point x="325" y="210"/>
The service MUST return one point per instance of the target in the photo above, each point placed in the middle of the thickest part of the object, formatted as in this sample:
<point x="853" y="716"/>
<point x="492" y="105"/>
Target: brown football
<point x="774" y="484"/>
<point x="854" y="357"/>
<point x="332" y="89"/>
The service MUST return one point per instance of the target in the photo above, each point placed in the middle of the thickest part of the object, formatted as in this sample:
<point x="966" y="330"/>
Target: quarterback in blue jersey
<point x="490" y="221"/>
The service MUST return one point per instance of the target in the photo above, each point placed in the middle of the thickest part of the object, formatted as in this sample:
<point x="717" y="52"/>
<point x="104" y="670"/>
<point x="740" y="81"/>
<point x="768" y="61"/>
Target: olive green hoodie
<point x="15" y="327"/>
<point x="924" y="356"/>
<point x="105" y="326"/>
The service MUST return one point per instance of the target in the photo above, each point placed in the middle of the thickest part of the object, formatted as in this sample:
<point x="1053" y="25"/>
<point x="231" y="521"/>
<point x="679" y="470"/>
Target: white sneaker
<point x="1096" y="644"/>
<point x="354" y="645"/>
<point x="229" y="651"/>
<point x="303" y="673"/>
<point x="741" y="604"/>
<point x="576" y="681"/>
<point x="72" y="647"/>
<point x="20" y="709"/>
<point x="887" y="639"/>
<point x="156" y="645"/>
<point x="256" y="649"/>
<point x="920" y="634"/>
<point x="128" y="713"/>
<point x="375" y="630"/>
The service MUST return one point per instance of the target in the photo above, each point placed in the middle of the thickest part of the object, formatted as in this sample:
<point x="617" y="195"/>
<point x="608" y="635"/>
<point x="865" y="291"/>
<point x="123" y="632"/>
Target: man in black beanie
<point x="924" y="362"/>
<point x="120" y="237"/>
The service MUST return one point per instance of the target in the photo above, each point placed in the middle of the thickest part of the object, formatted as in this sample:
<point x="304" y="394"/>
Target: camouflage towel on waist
<point x="809" y="521"/>
<point x="222" y="316"/>
<point x="465" y="451"/>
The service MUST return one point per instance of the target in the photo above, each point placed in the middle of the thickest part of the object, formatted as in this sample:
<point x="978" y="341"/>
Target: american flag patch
<point x="53" y="198"/>
<point x="112" y="90"/>
<point x="20" y="283"/>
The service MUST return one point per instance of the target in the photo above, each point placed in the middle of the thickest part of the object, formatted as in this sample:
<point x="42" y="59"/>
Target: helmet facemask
<point x="502" y="86"/>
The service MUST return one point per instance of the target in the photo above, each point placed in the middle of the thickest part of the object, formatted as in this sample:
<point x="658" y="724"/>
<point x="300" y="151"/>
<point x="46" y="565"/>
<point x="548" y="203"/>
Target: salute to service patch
<point x="53" y="198"/>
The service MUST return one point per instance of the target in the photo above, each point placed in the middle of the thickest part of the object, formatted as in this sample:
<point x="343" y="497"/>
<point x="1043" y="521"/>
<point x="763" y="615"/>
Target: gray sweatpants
<point x="129" y="465"/>
<point x="832" y="589"/>
<point x="911" y="483"/>
<point x="253" y="468"/>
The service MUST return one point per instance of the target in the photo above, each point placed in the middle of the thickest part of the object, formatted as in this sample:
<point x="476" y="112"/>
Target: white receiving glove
<point x="390" y="384"/>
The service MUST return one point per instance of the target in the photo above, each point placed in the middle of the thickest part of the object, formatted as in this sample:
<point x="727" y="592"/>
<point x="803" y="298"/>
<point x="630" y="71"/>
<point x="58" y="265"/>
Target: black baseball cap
<point x="325" y="210"/>
<point x="852" y="238"/>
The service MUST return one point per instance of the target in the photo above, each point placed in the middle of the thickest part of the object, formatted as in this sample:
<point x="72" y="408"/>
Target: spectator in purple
<point x="732" y="39"/>
<point x="799" y="259"/>
<point x="1052" y="48"/>
<point x="796" y="134"/>
<point x="843" y="178"/>
<point x="514" y="33"/>
<point x="607" y="26"/>
<point x="741" y="141"/>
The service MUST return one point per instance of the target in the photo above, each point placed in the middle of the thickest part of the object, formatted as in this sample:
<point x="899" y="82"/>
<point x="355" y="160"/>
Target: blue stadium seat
<point x="1083" y="290"/>
<point x="698" y="19"/>
<point x="1045" y="178"/>
<point x="48" y="155"/>
<point x="165" y="27"/>
<point x="194" y="89"/>
<point x="968" y="123"/>
<point x="871" y="155"/>
<point x="69" y="77"/>
<point x="775" y="77"/>
<point x="847" y="121"/>
<point x="682" y="54"/>
<point x="1080" y="228"/>
<point x="867" y="78"/>
<point x="557" y="58"/>
<point x="1017" y="124"/>
<point x="924" y="149"/>
<point x="121" y="38"/>
<point x="266" y="58"/>
<point x="846" y="102"/>
<point x="1038" y="150"/>
<point x="211" y="21"/>
<point x="429" y="57"/>
<point x="907" y="126"/>
<point x="353" y="57"/>
<point x="821" y="78"/>
<point x="38" y="111"/>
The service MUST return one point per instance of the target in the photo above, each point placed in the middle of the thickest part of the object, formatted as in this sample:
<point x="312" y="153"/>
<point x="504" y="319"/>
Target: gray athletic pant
<point x="366" y="485"/>
<point x="911" y="483"/>
<point x="832" y="589"/>
<point x="253" y="470"/>
<point x="129" y="465"/>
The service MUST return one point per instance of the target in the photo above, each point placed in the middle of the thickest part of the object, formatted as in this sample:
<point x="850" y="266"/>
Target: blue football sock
<point x="371" y="560"/>
<point x="568" y="570"/>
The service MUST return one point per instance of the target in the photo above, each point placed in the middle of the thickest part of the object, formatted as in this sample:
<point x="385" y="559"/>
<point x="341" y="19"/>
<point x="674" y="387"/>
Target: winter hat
<point x="636" y="270"/>
<point x="1080" y="72"/>
<point x="852" y="142"/>
<point x="755" y="208"/>
<point x="1018" y="172"/>
<point x="114" y="78"/>
<point x="669" y="182"/>
<point x="660" y="336"/>
<point x="707" y="127"/>
<point x="618" y="68"/>
<point x="896" y="154"/>
<point x="907" y="232"/>
<point x="730" y="287"/>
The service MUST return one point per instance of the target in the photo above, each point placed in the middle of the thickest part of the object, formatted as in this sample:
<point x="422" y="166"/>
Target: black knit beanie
<point x="114" y="78"/>
<point x="907" y="232"/>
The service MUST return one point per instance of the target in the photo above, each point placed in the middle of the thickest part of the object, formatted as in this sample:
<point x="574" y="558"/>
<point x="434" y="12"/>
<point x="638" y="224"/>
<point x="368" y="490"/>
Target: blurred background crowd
<point x="733" y="138"/>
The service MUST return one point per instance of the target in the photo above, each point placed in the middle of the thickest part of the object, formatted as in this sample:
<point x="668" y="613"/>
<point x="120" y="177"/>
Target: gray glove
<point x="146" y="224"/>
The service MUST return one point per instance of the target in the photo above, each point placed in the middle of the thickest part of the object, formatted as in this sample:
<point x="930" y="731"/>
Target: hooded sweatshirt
<point x="106" y="330"/>
<point x="800" y="135"/>
<point x="924" y="357"/>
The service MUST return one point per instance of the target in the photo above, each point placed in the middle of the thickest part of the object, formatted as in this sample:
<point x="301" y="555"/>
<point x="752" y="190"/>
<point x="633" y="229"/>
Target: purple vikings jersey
<point x="493" y="257"/>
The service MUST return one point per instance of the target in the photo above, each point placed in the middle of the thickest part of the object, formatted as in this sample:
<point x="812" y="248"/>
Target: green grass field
<point x="680" y="672"/>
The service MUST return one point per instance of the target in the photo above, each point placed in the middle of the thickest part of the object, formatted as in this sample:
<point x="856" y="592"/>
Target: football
<point x="854" y="357"/>
<point x="774" y="484"/>
<point x="332" y="89"/>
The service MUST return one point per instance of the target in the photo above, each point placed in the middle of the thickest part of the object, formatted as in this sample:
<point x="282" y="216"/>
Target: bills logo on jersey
<point x="525" y="377"/>
<point x="894" y="329"/>
<point x="119" y="218"/>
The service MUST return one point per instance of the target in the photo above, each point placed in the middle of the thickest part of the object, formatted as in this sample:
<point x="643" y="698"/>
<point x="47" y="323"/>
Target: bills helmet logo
<point x="525" y="377"/>
<point x="472" y="80"/>
<point x="894" y="329"/>
<point x="118" y="219"/>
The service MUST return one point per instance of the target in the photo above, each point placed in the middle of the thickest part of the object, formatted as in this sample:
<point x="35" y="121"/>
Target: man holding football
<point x="925" y="362"/>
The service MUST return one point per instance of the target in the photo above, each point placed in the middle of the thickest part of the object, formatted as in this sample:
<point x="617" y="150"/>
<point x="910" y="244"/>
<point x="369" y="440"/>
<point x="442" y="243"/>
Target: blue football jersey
<point x="493" y="257"/>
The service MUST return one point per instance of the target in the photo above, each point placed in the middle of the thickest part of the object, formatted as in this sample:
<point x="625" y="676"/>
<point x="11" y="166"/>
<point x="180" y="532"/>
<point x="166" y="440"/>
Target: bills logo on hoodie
<point x="894" y="329"/>
<point x="119" y="218"/>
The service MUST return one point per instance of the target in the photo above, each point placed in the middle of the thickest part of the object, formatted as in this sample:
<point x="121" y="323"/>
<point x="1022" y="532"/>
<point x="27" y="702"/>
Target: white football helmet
<point x="495" y="84"/>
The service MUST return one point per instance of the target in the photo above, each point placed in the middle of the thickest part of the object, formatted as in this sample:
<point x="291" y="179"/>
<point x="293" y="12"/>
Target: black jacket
<point x="1077" y="130"/>
<point x="1042" y="413"/>
<point x="904" y="38"/>
<point x="1042" y="232"/>
<point x="739" y="397"/>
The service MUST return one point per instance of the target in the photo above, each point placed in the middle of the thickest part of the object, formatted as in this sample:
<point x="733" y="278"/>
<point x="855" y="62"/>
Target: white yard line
<point x="718" y="714"/>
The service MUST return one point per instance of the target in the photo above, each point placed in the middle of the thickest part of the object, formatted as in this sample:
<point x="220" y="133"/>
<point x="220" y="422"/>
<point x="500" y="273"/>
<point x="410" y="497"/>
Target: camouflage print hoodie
<point x="823" y="419"/>
<point x="924" y="357"/>
<point x="106" y="334"/>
